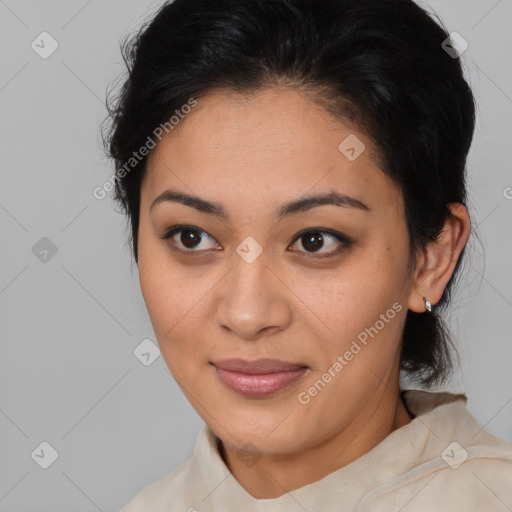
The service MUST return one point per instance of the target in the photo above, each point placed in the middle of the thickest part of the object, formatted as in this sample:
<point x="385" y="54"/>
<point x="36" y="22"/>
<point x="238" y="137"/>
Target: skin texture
<point x="251" y="154"/>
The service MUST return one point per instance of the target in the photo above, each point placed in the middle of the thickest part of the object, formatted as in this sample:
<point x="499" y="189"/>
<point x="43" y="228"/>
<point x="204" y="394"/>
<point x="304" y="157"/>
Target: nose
<point x="253" y="300"/>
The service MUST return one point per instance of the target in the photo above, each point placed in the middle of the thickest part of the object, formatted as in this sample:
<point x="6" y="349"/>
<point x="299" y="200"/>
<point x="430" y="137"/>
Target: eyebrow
<point x="297" y="206"/>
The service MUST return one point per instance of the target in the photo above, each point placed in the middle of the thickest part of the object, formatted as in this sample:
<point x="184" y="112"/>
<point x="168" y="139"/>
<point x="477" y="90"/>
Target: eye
<point x="190" y="240"/>
<point x="193" y="240"/>
<point x="316" y="239"/>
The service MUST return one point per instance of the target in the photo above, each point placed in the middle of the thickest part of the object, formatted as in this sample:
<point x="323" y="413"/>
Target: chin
<point x="269" y="433"/>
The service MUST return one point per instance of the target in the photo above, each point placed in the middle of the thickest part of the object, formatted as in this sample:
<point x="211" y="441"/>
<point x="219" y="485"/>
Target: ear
<point x="436" y="264"/>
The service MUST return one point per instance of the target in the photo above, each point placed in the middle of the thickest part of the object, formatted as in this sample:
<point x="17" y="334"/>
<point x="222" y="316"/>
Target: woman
<point x="293" y="172"/>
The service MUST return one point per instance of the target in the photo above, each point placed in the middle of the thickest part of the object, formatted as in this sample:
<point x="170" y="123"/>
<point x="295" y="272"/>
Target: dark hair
<point x="379" y="63"/>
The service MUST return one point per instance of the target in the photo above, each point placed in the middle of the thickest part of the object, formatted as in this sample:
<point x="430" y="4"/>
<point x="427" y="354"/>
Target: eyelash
<point x="345" y="242"/>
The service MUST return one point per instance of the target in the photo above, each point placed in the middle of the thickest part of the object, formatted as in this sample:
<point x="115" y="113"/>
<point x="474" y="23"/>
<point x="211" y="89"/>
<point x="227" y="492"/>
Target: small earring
<point x="427" y="304"/>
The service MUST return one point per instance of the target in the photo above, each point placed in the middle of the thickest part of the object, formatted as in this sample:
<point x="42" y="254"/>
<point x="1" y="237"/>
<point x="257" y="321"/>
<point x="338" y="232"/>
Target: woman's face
<point x="240" y="283"/>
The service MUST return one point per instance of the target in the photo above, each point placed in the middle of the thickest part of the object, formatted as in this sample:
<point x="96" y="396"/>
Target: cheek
<point x="342" y="300"/>
<point x="175" y="302"/>
<point x="359" y="302"/>
<point x="170" y="316"/>
<point x="162" y="287"/>
<point x="169" y="300"/>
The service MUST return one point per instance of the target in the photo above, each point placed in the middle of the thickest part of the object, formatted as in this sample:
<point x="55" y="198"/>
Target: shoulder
<point x="173" y="487"/>
<point x="457" y="464"/>
<point x="186" y="485"/>
<point x="474" y="468"/>
<point x="479" y="483"/>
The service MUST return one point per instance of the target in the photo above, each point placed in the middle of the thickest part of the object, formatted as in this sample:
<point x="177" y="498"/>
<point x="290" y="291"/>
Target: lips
<point x="259" y="378"/>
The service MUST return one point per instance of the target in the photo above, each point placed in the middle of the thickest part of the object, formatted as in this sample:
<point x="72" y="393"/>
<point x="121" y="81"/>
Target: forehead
<point x="278" y="118"/>
<point x="276" y="143"/>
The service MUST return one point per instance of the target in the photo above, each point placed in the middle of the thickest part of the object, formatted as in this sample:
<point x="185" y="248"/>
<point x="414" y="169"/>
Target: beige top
<point x="442" y="461"/>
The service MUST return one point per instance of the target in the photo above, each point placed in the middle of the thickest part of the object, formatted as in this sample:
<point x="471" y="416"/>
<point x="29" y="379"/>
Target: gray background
<point x="69" y="325"/>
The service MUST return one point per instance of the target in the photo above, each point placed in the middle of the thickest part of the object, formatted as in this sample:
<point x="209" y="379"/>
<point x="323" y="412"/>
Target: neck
<point x="275" y="475"/>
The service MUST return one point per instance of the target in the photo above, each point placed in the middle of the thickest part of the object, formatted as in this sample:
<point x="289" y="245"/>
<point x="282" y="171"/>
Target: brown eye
<point x="322" y="242"/>
<point x="313" y="241"/>
<point x="189" y="239"/>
